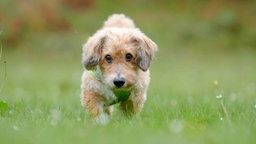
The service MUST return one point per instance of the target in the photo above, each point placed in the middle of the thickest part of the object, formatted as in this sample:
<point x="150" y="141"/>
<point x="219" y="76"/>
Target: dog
<point x="116" y="61"/>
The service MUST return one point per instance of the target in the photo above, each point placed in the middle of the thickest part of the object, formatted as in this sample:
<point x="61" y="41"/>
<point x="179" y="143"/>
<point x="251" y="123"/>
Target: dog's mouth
<point x="122" y="92"/>
<point x="125" y="87"/>
<point x="121" y="95"/>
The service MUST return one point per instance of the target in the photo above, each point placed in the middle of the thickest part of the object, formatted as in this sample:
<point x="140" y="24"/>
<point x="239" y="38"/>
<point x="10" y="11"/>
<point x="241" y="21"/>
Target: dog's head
<point x="119" y="54"/>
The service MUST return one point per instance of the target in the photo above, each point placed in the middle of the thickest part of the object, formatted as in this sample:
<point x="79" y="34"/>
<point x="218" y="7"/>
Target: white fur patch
<point x="103" y="118"/>
<point x="99" y="87"/>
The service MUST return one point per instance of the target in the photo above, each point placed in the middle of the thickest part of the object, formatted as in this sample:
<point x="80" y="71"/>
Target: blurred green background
<point x="199" y="41"/>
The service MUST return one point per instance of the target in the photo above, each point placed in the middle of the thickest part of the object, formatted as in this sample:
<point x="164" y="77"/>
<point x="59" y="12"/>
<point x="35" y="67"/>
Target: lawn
<point x="198" y="60"/>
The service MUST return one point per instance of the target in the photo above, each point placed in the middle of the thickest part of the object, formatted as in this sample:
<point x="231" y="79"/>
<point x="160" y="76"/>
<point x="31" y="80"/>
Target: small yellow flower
<point x="215" y="82"/>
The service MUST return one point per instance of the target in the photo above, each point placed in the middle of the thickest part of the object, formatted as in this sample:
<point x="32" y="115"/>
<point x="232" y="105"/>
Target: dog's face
<point x="119" y="54"/>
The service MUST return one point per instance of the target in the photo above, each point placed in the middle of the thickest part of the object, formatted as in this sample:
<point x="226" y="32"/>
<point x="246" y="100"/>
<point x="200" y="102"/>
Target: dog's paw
<point x="102" y="119"/>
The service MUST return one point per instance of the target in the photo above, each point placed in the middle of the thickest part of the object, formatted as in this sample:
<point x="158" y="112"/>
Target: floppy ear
<point x="145" y="52"/>
<point x="92" y="51"/>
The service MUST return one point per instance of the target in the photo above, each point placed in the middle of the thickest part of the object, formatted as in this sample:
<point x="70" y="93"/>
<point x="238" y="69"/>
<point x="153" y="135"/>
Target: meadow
<point x="202" y="90"/>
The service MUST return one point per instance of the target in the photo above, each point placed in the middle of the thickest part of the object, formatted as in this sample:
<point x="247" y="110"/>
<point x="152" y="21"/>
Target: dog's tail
<point x="119" y="21"/>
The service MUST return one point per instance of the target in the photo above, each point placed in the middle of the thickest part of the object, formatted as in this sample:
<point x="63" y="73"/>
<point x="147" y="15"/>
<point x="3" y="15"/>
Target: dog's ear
<point x="92" y="51"/>
<point x="145" y="52"/>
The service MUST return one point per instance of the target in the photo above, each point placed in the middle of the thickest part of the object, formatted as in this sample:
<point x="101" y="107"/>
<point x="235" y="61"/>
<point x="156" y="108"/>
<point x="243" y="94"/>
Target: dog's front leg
<point x="134" y="105"/>
<point x="94" y="104"/>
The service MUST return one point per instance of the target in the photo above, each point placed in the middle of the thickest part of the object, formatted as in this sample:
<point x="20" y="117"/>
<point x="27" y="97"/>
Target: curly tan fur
<point x="116" y="39"/>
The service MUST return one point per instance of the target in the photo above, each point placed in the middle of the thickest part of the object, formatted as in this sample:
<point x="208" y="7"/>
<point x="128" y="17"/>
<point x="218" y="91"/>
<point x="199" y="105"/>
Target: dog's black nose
<point x="119" y="82"/>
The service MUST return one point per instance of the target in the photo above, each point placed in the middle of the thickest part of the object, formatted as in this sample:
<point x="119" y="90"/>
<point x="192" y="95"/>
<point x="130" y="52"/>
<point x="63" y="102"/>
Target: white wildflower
<point x="176" y="126"/>
<point x="55" y="116"/>
<point x="16" y="128"/>
<point x="78" y="119"/>
<point x="219" y="97"/>
<point x="10" y="112"/>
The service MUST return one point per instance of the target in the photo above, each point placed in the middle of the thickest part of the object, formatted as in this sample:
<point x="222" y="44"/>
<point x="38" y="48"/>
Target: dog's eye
<point x="128" y="57"/>
<point x="108" y="58"/>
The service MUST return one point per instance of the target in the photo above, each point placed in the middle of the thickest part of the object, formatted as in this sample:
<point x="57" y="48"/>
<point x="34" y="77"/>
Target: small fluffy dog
<point x="116" y="60"/>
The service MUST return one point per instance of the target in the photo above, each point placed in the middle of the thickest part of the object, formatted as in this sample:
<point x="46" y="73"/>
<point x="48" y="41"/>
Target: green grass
<point x="40" y="99"/>
<point x="43" y="106"/>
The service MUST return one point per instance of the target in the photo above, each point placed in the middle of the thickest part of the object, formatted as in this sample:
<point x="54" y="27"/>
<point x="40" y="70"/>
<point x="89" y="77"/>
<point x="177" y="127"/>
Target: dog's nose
<point x="119" y="82"/>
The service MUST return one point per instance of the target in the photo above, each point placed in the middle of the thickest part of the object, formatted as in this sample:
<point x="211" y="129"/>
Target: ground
<point x="198" y="60"/>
